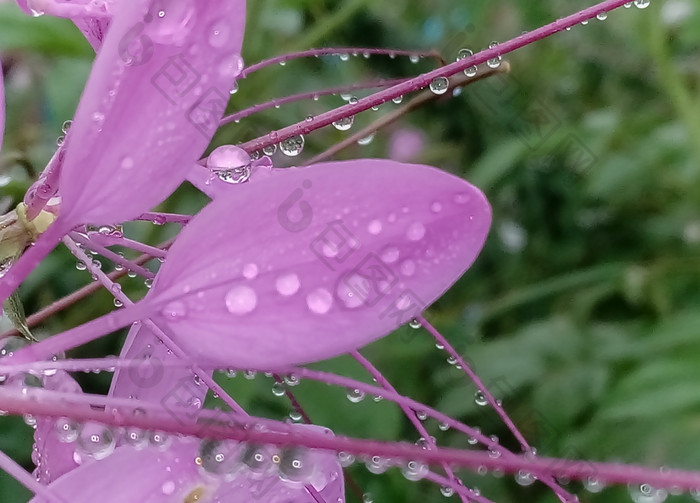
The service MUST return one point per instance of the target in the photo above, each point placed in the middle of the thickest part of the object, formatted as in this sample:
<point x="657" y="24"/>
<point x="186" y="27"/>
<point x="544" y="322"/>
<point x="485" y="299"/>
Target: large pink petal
<point x="155" y="95"/>
<point x="154" y="475"/>
<point x="314" y="262"/>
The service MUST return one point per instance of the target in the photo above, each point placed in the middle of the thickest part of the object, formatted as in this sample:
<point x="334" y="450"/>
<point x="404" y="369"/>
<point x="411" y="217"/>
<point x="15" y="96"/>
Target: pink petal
<point x="152" y="103"/>
<point x="55" y="456"/>
<point x="175" y="388"/>
<point x="314" y="262"/>
<point x="94" y="30"/>
<point x="152" y="475"/>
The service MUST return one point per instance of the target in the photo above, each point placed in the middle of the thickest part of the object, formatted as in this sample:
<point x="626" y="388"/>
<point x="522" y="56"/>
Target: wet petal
<point x="176" y="388"/>
<point x="53" y="449"/>
<point x="155" y="95"/>
<point x="314" y="262"/>
<point x="188" y="471"/>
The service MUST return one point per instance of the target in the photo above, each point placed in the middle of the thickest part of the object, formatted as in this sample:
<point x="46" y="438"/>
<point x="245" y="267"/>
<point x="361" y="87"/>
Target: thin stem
<point x="611" y="473"/>
<point x="420" y="100"/>
<point x="425" y="79"/>
<point x="307" y="96"/>
<point x="109" y="254"/>
<point x="163" y="218"/>
<point x="27" y="480"/>
<point x="332" y="51"/>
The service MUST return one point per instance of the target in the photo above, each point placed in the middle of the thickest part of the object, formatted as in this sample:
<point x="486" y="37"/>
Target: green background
<point x="582" y="310"/>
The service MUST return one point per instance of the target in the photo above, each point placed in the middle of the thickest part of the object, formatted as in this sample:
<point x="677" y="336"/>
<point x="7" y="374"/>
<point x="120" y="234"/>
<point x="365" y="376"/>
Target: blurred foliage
<point x="582" y="313"/>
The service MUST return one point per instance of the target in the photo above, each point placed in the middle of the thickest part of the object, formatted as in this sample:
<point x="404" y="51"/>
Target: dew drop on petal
<point x="219" y="34"/>
<point x="415" y="231"/>
<point x="96" y="440"/>
<point x="390" y="254"/>
<point x="250" y="271"/>
<point x="350" y="290"/>
<point x="374" y="227"/>
<point x="319" y="301"/>
<point x="288" y="284"/>
<point x="241" y="300"/>
<point x="175" y="310"/>
<point x="408" y="267"/>
<point x="171" y="21"/>
<point x="231" y="66"/>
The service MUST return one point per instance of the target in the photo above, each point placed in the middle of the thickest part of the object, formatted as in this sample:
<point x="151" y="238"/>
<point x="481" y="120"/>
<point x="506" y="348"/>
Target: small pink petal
<point x="52" y="435"/>
<point x="343" y="253"/>
<point x="153" y="101"/>
<point x="175" y="388"/>
<point x="154" y="475"/>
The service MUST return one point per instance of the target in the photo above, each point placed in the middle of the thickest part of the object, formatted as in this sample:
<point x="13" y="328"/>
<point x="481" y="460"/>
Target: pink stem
<point x="170" y="218"/>
<point x="610" y="473"/>
<point x="140" y="247"/>
<point x="45" y="188"/>
<point x="109" y="254"/>
<point x="322" y="120"/>
<point x="331" y="51"/>
<point x="306" y="96"/>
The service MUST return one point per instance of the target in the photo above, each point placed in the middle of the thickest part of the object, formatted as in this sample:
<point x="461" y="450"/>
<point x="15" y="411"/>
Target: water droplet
<point x="231" y="66"/>
<point x="367" y="498"/>
<point x="494" y="62"/>
<point x="464" y="54"/>
<point x="270" y="149"/>
<point x="219" y="34"/>
<point x="296" y="465"/>
<point x="159" y="439"/>
<point x="374" y="227"/>
<point x="127" y="163"/>
<point x="230" y="163"/>
<point x="593" y="485"/>
<point x="219" y="457"/>
<point x="66" y="126"/>
<point x="355" y="395"/>
<point x="67" y="429"/>
<point x="408" y="267"/>
<point x="256" y="458"/>
<point x="642" y="4"/>
<point x="293" y="146"/>
<point x="175" y="310"/>
<point x="279" y="389"/>
<point x="171" y="25"/>
<point x="602" y="16"/>
<point x="436" y="207"/>
<point x="645" y="493"/>
<point x="250" y="271"/>
<point x="319" y="301"/>
<point x="366" y="140"/>
<point x="390" y="255"/>
<point x="439" y="85"/>
<point x="136" y="437"/>
<point x="525" y="478"/>
<point x="471" y="71"/>
<point x="168" y="487"/>
<point x="414" y="58"/>
<point x="446" y="491"/>
<point x="462" y="198"/>
<point x="480" y="398"/>
<point x="345" y="459"/>
<point x="397" y="100"/>
<point x="344" y="123"/>
<point x="288" y="284"/>
<point x="414" y="470"/>
<point x="415" y="231"/>
<point x="96" y="440"/>
<point x="241" y="300"/>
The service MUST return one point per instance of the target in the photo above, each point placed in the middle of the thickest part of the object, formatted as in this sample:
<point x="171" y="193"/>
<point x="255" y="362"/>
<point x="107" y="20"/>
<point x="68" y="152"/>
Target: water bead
<point x="524" y="478"/>
<point x="241" y="300"/>
<point x="367" y="139"/>
<point x="439" y="85"/>
<point x="355" y="395"/>
<point x="67" y="429"/>
<point x="296" y="465"/>
<point x="159" y="439"/>
<point x="279" y="389"/>
<point x="256" y="458"/>
<point x="397" y="100"/>
<point x="270" y="149"/>
<point x="171" y="25"/>
<point x="219" y="34"/>
<point x="642" y="4"/>
<point x="344" y="123"/>
<point x="414" y="324"/>
<point x="414" y="470"/>
<point x="95" y="440"/>
<point x="230" y="163"/>
<point x="480" y="398"/>
<point x="446" y="491"/>
<point x="293" y="146"/>
<point x="345" y="459"/>
<point x="219" y="457"/>
<point x="319" y="301"/>
<point x="494" y="62"/>
<point x="377" y="465"/>
<point x="288" y="284"/>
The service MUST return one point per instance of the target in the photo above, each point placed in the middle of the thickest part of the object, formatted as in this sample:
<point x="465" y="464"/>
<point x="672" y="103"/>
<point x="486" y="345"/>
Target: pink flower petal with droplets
<point x="153" y="381"/>
<point x="55" y="455"/>
<point x="153" y="101"/>
<point x="154" y="475"/>
<point x="318" y="261"/>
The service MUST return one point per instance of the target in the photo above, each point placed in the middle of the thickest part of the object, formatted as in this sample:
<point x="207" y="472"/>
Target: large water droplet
<point x="231" y="66"/>
<point x="241" y="300"/>
<point x="344" y="123"/>
<point x="288" y="284"/>
<point x="230" y="163"/>
<point x="642" y="4"/>
<point x="296" y="465"/>
<point x="96" y="440"/>
<point x="439" y="85"/>
<point x="415" y="231"/>
<point x="219" y="457"/>
<point x="67" y="429"/>
<point x="319" y="301"/>
<point x="293" y="146"/>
